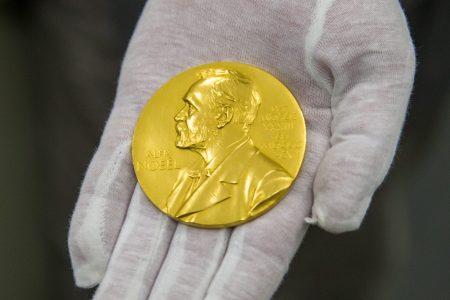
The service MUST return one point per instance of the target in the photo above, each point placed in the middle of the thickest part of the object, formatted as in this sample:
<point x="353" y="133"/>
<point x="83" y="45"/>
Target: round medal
<point x="219" y="144"/>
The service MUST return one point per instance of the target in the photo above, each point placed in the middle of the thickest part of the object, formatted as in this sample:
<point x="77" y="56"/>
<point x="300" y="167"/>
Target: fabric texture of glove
<point x="350" y="64"/>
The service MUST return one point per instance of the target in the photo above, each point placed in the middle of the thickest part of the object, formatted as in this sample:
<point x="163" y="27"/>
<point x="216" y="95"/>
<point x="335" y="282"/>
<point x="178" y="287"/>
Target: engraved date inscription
<point x="279" y="118"/>
<point x="283" y="145"/>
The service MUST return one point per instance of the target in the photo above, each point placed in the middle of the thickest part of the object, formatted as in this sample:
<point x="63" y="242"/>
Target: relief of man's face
<point x="196" y="121"/>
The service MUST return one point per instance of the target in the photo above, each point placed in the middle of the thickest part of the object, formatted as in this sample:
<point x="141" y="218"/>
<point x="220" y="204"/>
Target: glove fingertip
<point x="87" y="276"/>
<point x="311" y="220"/>
<point x="339" y="216"/>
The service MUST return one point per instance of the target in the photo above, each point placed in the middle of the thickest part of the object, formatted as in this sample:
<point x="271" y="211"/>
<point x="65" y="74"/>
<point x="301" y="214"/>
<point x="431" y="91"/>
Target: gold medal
<point x="219" y="144"/>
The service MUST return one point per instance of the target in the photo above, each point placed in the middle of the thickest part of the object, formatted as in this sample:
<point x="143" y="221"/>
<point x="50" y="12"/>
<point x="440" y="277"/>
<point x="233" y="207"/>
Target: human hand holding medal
<point x="212" y="201"/>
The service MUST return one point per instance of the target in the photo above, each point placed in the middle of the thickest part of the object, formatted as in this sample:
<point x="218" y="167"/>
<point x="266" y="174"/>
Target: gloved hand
<point x="350" y="63"/>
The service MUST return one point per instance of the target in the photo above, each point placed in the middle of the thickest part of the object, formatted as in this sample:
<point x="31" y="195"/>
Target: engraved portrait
<point x="235" y="181"/>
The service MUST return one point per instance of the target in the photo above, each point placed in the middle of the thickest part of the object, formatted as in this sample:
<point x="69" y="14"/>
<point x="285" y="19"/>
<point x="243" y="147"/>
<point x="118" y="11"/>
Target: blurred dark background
<point x="59" y="64"/>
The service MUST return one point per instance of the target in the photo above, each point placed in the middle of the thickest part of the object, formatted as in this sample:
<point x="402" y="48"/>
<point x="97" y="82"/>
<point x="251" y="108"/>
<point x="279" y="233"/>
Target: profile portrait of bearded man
<point x="236" y="180"/>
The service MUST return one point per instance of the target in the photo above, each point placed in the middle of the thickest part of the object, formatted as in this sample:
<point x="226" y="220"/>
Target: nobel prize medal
<point x="219" y="144"/>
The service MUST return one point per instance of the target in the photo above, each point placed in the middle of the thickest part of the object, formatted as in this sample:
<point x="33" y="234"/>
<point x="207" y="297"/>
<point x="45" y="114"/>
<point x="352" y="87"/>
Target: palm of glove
<point x="351" y="66"/>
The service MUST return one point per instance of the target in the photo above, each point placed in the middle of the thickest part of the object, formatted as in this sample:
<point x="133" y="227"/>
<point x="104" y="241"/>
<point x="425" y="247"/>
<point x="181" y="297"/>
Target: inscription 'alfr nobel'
<point x="157" y="160"/>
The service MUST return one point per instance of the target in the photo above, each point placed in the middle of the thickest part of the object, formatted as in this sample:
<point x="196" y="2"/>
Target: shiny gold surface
<point x="219" y="144"/>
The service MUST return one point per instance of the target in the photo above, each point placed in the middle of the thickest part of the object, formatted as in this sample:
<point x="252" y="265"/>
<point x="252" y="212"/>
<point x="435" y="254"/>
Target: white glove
<point x="350" y="63"/>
